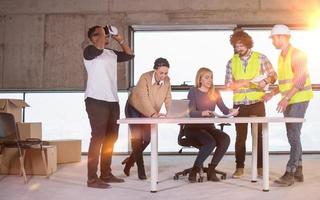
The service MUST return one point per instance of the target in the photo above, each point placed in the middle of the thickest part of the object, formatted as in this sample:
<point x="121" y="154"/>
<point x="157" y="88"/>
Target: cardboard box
<point x="68" y="150"/>
<point x="30" y="130"/>
<point x="13" y="106"/>
<point x="33" y="161"/>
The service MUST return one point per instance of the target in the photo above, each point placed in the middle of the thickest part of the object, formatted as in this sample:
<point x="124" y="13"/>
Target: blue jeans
<point x="293" y="134"/>
<point x="209" y="139"/>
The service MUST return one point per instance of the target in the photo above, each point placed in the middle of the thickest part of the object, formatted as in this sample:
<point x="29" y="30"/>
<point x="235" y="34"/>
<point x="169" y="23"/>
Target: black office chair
<point x="185" y="142"/>
<point x="10" y="138"/>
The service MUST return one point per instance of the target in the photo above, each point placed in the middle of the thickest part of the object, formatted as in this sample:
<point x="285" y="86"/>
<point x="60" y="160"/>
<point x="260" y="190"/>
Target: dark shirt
<point x="91" y="52"/>
<point x="200" y="101"/>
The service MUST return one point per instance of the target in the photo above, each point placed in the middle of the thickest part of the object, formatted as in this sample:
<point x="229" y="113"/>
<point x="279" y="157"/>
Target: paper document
<point x="259" y="78"/>
<point x="231" y="114"/>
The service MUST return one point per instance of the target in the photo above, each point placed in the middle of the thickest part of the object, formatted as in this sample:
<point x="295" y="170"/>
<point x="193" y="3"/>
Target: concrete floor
<point x="70" y="179"/>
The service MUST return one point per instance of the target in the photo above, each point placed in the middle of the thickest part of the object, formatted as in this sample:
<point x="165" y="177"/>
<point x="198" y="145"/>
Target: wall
<point x="41" y="41"/>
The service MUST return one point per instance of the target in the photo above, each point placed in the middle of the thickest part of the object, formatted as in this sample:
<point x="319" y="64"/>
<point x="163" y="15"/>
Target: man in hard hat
<point x="296" y="91"/>
<point x="242" y="68"/>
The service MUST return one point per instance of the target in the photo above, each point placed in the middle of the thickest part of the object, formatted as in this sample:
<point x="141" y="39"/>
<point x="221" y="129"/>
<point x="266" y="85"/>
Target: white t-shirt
<point x="102" y="77"/>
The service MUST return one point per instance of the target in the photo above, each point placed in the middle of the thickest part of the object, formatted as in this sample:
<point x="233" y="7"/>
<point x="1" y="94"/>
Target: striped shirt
<point x="265" y="68"/>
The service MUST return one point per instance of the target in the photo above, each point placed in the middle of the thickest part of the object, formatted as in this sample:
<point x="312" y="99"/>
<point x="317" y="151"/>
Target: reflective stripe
<point x="244" y="79"/>
<point x="307" y="87"/>
<point x="246" y="103"/>
<point x="242" y="91"/>
<point x="284" y="81"/>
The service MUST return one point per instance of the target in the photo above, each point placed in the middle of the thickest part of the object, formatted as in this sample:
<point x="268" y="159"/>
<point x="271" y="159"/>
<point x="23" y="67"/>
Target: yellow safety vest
<point x="252" y="93"/>
<point x="285" y="76"/>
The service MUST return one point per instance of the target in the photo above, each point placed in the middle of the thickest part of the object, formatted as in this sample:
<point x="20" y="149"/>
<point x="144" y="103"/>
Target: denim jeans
<point x="293" y="134"/>
<point x="209" y="138"/>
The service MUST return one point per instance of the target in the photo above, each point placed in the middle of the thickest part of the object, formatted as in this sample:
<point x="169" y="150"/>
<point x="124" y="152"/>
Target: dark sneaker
<point x="97" y="183"/>
<point x="286" y="180"/>
<point x="112" y="179"/>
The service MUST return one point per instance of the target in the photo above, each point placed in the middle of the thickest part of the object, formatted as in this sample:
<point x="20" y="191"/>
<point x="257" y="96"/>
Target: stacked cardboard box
<point x="13" y="106"/>
<point x="56" y="151"/>
<point x="29" y="130"/>
<point x="33" y="157"/>
<point x="67" y="150"/>
<point x="33" y="164"/>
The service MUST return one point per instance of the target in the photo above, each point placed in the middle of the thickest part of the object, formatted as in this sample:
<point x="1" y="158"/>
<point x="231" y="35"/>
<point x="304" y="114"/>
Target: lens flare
<point x="314" y="21"/>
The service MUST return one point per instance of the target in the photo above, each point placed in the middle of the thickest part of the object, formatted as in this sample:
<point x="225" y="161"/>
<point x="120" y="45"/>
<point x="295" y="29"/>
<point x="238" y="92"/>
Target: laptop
<point x="179" y="108"/>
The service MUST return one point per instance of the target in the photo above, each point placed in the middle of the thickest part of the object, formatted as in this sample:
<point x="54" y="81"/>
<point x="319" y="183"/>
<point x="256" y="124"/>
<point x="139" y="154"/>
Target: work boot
<point x="211" y="174"/>
<point x="193" y="174"/>
<point x="286" y="180"/>
<point x="298" y="175"/>
<point x="137" y="149"/>
<point x="238" y="173"/>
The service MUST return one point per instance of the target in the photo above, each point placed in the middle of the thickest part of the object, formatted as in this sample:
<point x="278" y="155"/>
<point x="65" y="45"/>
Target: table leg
<point x="265" y="152"/>
<point x="154" y="157"/>
<point x="254" y="132"/>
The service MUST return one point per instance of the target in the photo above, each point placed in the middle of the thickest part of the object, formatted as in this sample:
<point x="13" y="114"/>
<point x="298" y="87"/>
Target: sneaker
<point x="238" y="173"/>
<point x="286" y="180"/>
<point x="298" y="175"/>
<point x="112" y="179"/>
<point x="97" y="183"/>
<point x="260" y="172"/>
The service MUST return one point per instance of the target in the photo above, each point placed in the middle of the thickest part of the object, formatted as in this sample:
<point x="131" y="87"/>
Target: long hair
<point x="200" y="74"/>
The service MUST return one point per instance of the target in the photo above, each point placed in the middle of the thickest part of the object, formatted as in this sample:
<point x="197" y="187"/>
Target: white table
<point x="253" y="120"/>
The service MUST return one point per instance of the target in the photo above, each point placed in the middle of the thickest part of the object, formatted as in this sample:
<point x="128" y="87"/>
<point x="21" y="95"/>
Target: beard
<point x="243" y="53"/>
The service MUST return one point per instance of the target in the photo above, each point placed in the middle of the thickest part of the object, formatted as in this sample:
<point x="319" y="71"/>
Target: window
<point x="188" y="50"/>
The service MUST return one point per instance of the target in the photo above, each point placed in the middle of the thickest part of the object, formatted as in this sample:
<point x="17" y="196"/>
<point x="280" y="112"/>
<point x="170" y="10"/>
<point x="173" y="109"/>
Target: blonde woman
<point x="203" y="100"/>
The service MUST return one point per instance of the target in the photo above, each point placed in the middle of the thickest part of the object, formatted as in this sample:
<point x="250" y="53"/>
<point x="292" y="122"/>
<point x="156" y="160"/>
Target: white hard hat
<point x="280" y="29"/>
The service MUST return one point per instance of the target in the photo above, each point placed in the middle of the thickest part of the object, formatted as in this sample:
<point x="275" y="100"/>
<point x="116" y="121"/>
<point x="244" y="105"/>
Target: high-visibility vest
<point x="285" y="76"/>
<point x="252" y="93"/>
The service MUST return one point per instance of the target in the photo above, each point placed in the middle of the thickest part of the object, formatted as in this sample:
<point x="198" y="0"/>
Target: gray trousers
<point x="293" y="134"/>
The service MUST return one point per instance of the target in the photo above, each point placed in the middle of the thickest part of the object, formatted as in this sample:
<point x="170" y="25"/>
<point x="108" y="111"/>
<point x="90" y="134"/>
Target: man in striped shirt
<point x="241" y="71"/>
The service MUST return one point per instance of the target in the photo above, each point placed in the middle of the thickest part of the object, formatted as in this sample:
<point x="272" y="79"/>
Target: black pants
<point x="257" y="109"/>
<point x="208" y="138"/>
<point x="138" y="131"/>
<point x="103" y="117"/>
